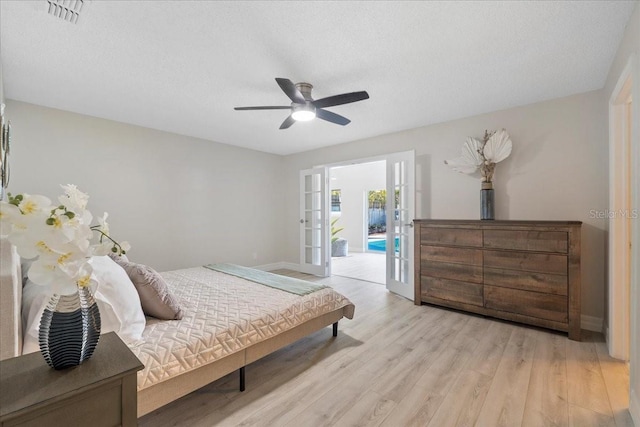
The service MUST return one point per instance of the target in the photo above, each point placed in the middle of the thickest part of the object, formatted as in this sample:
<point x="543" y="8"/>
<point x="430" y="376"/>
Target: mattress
<point x="222" y="314"/>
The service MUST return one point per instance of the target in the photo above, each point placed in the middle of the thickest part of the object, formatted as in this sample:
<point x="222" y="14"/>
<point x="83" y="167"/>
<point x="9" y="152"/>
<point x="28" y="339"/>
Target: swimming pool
<point x="380" y="245"/>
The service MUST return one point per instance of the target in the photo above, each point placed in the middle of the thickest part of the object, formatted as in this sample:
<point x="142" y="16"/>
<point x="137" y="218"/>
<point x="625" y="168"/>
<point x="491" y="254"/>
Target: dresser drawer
<point x="452" y="290"/>
<point x="527" y="240"/>
<point x="451" y="237"/>
<point x="534" y="304"/>
<point x="451" y="255"/>
<point x="555" y="284"/>
<point x="445" y="270"/>
<point x="526" y="261"/>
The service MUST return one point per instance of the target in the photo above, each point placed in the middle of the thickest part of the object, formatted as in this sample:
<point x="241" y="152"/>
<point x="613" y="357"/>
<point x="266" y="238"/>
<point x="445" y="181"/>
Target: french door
<point x="314" y="222"/>
<point x="400" y="212"/>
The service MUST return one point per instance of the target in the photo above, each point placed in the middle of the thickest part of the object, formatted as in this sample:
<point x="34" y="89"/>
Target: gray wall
<point x="179" y="201"/>
<point x="557" y="171"/>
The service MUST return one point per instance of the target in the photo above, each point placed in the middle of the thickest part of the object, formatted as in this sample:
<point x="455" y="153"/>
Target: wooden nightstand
<point x="100" y="392"/>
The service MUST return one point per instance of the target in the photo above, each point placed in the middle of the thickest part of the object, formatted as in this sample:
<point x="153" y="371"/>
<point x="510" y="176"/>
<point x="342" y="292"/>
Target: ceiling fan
<point x="304" y="108"/>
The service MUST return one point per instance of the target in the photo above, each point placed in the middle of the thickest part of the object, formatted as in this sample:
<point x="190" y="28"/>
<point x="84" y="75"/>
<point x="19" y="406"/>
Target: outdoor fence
<point x="377" y="220"/>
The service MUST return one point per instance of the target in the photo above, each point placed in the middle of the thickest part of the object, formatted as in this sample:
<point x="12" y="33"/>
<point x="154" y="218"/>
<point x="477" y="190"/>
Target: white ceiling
<point x="182" y="66"/>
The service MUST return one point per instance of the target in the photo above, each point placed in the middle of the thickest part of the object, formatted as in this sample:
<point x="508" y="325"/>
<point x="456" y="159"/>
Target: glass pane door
<point x="400" y="212"/>
<point x="314" y="237"/>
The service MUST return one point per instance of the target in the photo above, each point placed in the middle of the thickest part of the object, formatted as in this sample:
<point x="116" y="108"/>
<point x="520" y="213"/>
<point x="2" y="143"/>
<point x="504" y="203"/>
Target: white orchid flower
<point x="58" y="236"/>
<point x="27" y="235"/>
<point x="103" y="225"/>
<point x="45" y="272"/>
<point x="67" y="265"/>
<point x="84" y="217"/>
<point x="73" y="198"/>
<point x="9" y="214"/>
<point x="34" y="205"/>
<point x="86" y="278"/>
<point x="103" y="248"/>
<point x="61" y="230"/>
<point x="125" y="246"/>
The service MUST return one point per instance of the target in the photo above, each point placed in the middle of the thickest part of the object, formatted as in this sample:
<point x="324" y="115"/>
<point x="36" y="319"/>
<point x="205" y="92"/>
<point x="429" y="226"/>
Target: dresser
<point x="523" y="271"/>
<point x="99" y="392"/>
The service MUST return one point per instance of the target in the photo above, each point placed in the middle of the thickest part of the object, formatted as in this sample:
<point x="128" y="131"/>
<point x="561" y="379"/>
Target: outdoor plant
<point x="335" y="230"/>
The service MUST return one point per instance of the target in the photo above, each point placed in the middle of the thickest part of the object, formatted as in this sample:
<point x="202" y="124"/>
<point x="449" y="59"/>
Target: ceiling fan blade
<point x="291" y="90"/>
<point x="287" y="123"/>
<point x="332" y="117"/>
<point x="344" y="98"/>
<point x="272" y="107"/>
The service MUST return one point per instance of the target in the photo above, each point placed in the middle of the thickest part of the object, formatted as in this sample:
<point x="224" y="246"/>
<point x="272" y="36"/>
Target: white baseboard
<point x="278" y="266"/>
<point x="634" y="407"/>
<point x="591" y="323"/>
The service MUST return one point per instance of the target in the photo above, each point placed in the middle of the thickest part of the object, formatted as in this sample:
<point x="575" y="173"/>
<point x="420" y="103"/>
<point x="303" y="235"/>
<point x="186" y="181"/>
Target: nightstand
<point x="99" y="392"/>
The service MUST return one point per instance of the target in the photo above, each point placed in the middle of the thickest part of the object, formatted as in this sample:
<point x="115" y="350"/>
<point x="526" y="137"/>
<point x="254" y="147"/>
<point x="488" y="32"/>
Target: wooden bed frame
<point x="160" y="394"/>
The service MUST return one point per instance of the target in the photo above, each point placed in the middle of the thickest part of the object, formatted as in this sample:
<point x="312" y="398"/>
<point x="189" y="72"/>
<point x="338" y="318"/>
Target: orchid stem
<point x="103" y="234"/>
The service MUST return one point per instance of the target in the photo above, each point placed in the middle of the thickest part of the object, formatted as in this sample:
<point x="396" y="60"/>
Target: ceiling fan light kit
<point x="303" y="113"/>
<point x="304" y="108"/>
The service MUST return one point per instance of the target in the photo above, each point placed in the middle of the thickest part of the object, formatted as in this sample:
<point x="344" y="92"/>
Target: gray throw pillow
<point x="155" y="297"/>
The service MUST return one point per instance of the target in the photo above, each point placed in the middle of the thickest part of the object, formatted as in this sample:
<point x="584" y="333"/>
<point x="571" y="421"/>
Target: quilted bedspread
<point x="223" y="314"/>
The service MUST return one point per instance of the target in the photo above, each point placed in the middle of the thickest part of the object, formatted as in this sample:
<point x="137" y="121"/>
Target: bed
<point x="228" y="322"/>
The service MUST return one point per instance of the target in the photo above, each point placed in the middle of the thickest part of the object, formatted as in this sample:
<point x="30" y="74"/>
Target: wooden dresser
<point x="524" y="271"/>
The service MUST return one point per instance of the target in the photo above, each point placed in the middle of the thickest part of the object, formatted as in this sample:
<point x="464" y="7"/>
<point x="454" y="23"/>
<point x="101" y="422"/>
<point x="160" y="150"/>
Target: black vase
<point x="69" y="329"/>
<point x="487" y="204"/>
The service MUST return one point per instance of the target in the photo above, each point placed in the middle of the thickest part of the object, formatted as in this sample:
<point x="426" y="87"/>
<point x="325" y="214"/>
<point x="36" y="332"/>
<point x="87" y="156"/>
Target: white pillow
<point x="117" y="292"/>
<point x="117" y="299"/>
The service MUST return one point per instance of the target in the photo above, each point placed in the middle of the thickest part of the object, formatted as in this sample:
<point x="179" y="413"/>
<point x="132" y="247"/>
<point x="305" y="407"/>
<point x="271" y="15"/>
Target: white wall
<point x="630" y="49"/>
<point x="1" y="84"/>
<point x="354" y="182"/>
<point x="180" y="201"/>
<point x="557" y="171"/>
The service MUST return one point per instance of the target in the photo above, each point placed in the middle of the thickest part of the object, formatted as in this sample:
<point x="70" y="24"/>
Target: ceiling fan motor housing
<point x="305" y="90"/>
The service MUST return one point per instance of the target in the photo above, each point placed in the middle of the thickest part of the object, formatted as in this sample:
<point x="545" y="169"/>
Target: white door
<point x="314" y="222"/>
<point x="400" y="212"/>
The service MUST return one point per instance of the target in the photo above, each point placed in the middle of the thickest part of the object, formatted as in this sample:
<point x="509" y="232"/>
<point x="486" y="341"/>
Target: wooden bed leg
<point x="242" y="379"/>
<point x="335" y="329"/>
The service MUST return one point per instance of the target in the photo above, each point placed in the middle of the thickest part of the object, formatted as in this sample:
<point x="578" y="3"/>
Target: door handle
<point x="409" y="225"/>
<point x="302" y="221"/>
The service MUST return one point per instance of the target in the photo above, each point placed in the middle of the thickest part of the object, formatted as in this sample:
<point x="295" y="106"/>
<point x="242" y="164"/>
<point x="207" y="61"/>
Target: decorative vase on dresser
<point x="523" y="271"/>
<point x="487" y="201"/>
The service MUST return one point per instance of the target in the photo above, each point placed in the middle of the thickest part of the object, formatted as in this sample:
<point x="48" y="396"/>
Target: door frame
<point x="401" y="227"/>
<point x="620" y="265"/>
<point x="377" y="158"/>
<point x="324" y="268"/>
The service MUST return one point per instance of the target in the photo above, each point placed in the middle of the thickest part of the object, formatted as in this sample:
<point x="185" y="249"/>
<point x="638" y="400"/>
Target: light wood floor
<point x="368" y="266"/>
<point x="397" y="364"/>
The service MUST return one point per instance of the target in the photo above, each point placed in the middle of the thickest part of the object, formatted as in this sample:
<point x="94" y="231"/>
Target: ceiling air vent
<point x="68" y="10"/>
